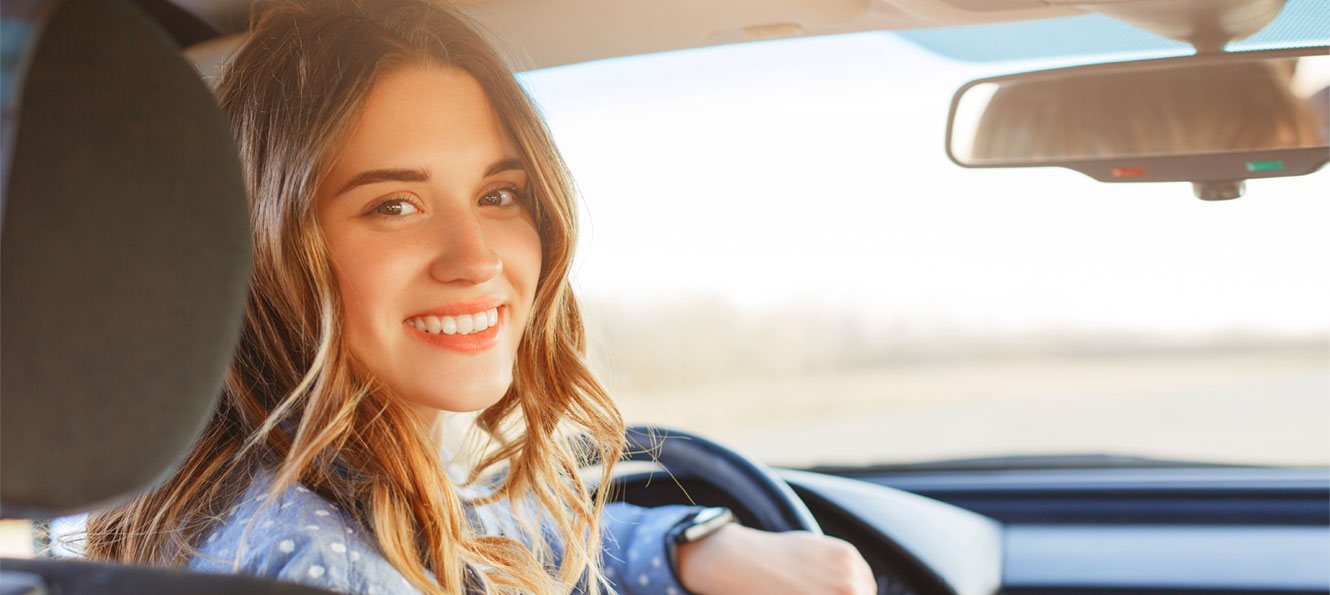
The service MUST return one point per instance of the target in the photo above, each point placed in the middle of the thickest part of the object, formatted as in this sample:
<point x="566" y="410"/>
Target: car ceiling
<point x="552" y="33"/>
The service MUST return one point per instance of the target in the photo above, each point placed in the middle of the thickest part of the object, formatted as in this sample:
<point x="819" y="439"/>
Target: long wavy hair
<point x="297" y="403"/>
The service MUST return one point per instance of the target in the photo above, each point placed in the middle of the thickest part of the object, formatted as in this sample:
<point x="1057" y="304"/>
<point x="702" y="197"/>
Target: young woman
<point x="413" y="228"/>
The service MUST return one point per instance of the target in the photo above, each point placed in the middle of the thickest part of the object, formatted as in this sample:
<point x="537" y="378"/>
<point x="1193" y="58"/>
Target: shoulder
<point x="298" y="537"/>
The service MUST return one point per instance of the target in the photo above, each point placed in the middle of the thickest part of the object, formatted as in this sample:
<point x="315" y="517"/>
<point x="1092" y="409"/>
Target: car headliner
<point x="568" y="31"/>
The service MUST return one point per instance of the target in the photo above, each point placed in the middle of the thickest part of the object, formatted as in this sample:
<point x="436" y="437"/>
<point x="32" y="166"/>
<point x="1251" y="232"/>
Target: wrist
<point x="701" y="564"/>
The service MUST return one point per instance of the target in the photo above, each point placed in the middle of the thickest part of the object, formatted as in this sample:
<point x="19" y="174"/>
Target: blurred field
<point x="15" y="538"/>
<point x="1257" y="407"/>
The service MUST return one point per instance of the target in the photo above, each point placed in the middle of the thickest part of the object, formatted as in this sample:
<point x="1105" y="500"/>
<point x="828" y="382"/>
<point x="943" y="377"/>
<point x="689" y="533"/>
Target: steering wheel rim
<point x="765" y="496"/>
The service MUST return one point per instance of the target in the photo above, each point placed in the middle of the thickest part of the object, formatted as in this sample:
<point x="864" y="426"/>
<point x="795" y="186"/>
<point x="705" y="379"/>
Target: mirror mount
<point x="1208" y="25"/>
<point x="1228" y="190"/>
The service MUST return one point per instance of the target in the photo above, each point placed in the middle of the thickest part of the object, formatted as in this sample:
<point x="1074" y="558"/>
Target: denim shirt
<point x="302" y="537"/>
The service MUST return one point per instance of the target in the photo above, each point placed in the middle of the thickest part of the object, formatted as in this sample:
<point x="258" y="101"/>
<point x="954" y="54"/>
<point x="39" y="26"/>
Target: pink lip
<point x="459" y="308"/>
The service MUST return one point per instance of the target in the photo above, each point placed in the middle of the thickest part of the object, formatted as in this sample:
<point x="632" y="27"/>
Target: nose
<point x="465" y="254"/>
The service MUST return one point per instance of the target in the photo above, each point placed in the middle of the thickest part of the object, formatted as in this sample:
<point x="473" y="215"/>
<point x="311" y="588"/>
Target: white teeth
<point x="451" y="325"/>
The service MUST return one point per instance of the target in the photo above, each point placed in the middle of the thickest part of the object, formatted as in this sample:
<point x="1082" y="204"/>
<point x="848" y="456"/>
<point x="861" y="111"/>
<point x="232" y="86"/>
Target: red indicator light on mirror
<point x="1129" y="172"/>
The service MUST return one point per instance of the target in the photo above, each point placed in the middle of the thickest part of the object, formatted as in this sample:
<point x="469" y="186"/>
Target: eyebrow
<point x="503" y="165"/>
<point x="375" y="176"/>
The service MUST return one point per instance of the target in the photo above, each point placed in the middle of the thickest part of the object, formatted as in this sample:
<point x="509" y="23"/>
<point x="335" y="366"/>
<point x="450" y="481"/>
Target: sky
<point x="812" y="172"/>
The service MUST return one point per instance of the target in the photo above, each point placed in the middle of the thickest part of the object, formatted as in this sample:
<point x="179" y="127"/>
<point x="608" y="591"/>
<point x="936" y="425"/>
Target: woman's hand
<point x="737" y="560"/>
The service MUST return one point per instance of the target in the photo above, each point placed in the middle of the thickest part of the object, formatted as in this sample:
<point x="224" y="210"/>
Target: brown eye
<point x="500" y="197"/>
<point x="395" y="207"/>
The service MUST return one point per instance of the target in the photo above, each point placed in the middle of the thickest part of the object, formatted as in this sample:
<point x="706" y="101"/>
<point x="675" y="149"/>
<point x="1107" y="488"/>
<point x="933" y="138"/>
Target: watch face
<point x="704" y="523"/>
<point x="706" y="514"/>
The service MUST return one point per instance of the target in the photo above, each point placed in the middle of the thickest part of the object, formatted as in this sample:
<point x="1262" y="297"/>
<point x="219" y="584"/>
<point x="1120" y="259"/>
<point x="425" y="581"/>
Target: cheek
<point x="524" y="259"/>
<point x="368" y="276"/>
<point x="356" y="294"/>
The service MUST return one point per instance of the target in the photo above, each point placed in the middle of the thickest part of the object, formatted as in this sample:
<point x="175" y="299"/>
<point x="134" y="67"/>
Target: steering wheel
<point x="767" y="497"/>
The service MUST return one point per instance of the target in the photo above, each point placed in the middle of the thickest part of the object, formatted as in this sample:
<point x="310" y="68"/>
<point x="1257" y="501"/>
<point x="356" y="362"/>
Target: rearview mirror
<point x="1212" y="119"/>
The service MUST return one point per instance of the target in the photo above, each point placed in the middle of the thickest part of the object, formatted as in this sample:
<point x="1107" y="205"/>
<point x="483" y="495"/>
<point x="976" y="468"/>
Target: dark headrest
<point x="123" y="263"/>
<point x="75" y="577"/>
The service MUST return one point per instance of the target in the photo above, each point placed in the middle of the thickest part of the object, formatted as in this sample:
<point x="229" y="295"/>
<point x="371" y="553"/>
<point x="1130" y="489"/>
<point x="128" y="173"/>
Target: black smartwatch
<point x="702" y="524"/>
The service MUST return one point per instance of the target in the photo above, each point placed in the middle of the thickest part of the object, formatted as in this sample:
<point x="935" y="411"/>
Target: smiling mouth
<point x="463" y="324"/>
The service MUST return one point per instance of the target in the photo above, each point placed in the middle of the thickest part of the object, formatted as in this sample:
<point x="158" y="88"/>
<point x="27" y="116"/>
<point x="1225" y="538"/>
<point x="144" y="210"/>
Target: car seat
<point x="124" y="262"/>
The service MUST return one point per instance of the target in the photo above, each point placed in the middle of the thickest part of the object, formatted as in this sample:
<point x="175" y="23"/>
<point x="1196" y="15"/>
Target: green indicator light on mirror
<point x="1265" y="165"/>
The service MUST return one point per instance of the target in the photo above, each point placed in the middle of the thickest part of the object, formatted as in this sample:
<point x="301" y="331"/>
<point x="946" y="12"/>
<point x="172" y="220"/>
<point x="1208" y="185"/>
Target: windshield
<point x="777" y="253"/>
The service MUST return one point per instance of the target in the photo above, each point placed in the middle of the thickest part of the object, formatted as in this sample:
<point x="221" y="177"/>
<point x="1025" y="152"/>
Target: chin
<point x="464" y="399"/>
<point x="472" y="406"/>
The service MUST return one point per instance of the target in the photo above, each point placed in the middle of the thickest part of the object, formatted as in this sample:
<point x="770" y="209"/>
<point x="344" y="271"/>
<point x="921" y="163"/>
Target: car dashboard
<point x="1050" y="531"/>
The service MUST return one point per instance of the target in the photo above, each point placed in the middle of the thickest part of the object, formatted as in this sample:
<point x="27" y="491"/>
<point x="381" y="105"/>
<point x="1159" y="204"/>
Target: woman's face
<point x="435" y="253"/>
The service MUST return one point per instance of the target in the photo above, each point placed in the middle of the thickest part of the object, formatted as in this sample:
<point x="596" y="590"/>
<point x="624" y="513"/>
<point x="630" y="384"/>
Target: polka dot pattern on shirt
<point x="299" y="536"/>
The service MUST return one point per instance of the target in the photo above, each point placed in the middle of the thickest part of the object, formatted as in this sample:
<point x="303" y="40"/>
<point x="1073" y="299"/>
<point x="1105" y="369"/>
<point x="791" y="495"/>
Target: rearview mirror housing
<point x="1213" y="119"/>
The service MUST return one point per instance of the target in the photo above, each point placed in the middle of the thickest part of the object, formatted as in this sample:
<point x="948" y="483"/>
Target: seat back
<point x="124" y="262"/>
<point x="124" y="259"/>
